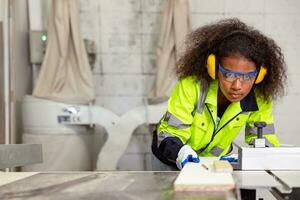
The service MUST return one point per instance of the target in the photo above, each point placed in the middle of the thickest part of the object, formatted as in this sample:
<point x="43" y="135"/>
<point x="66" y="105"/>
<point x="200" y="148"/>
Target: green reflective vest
<point x="192" y="113"/>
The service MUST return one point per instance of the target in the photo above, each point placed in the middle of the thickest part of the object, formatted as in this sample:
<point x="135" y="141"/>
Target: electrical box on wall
<point x="37" y="42"/>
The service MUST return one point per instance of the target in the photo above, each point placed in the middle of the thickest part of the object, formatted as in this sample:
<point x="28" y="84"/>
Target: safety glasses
<point x="231" y="76"/>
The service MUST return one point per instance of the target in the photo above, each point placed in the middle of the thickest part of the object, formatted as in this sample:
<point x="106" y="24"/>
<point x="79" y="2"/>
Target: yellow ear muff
<point x="211" y="66"/>
<point x="261" y="74"/>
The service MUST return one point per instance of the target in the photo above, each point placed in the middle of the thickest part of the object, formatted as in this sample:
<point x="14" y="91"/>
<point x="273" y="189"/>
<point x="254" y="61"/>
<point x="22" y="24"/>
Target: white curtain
<point x="175" y="25"/>
<point x="65" y="74"/>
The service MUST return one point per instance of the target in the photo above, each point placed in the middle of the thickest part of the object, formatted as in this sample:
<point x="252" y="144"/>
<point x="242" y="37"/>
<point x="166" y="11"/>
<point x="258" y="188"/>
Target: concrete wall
<point x="126" y="33"/>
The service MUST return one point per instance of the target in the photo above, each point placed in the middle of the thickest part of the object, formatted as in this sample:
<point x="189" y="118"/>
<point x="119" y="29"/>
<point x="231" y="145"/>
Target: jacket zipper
<point x="215" y="133"/>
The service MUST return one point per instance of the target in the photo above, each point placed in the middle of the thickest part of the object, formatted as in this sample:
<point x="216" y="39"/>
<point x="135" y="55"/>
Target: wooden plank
<point x="195" y="178"/>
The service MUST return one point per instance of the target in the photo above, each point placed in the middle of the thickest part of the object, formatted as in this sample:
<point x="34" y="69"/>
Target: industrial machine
<point x="260" y="157"/>
<point x="274" y="169"/>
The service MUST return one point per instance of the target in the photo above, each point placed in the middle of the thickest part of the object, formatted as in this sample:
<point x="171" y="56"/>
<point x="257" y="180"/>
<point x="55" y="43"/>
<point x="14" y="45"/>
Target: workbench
<point x="124" y="185"/>
<point x="92" y="185"/>
<point x="129" y="184"/>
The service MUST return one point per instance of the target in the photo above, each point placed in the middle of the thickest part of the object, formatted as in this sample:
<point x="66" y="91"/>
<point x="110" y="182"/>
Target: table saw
<point x="140" y="185"/>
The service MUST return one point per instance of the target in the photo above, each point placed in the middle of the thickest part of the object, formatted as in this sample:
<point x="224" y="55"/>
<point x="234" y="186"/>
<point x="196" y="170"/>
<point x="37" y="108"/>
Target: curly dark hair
<point x="253" y="45"/>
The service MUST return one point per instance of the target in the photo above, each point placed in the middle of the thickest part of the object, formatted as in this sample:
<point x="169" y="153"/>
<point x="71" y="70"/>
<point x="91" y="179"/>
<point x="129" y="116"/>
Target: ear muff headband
<point x="212" y="63"/>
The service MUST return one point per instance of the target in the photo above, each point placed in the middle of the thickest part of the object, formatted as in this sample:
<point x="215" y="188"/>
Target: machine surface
<point x="137" y="185"/>
<point x="99" y="185"/>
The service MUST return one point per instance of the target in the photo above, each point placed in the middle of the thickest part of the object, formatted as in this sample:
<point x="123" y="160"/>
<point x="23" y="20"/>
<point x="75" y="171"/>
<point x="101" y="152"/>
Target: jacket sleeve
<point x="263" y="114"/>
<point x="174" y="128"/>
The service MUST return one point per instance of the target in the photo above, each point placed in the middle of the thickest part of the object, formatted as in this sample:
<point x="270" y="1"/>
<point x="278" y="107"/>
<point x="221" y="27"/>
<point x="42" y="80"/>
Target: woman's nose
<point x="236" y="84"/>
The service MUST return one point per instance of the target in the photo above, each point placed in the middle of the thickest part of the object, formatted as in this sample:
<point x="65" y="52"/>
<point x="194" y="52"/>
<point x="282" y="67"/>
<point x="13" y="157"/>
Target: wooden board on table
<point x="195" y="178"/>
<point x="222" y="166"/>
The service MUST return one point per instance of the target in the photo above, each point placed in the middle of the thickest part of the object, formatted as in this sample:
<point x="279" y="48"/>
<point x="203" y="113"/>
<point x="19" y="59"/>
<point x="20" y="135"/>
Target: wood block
<point x="222" y="166"/>
<point x="194" y="178"/>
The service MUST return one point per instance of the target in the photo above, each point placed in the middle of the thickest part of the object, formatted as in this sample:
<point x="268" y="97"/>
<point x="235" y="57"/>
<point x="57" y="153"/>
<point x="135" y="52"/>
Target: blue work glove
<point x="230" y="158"/>
<point x="186" y="154"/>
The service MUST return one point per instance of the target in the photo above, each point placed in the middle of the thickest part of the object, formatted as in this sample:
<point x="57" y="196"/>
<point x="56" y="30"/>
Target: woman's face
<point x="236" y="87"/>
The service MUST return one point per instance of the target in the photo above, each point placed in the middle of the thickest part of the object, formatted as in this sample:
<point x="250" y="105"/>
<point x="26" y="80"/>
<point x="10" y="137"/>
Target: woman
<point x="228" y="77"/>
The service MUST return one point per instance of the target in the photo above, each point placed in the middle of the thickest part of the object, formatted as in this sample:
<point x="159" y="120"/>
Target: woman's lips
<point x="235" y="96"/>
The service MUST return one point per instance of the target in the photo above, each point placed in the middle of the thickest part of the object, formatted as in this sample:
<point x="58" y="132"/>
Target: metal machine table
<point x="99" y="185"/>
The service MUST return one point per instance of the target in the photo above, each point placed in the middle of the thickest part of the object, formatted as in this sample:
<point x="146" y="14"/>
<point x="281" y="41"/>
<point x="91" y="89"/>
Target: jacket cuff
<point x="169" y="148"/>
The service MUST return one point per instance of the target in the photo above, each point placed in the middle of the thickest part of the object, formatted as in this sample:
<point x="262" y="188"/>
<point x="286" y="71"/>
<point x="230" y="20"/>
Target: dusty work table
<point x="128" y="185"/>
<point x="95" y="185"/>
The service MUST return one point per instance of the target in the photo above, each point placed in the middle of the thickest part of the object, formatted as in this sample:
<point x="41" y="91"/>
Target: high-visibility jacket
<point x="191" y="118"/>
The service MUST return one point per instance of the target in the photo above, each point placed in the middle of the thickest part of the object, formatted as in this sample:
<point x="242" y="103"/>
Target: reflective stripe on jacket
<point x="192" y="113"/>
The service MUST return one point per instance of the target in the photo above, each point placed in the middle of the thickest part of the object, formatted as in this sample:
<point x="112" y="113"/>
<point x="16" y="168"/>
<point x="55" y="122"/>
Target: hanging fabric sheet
<point x="65" y="74"/>
<point x="174" y="27"/>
